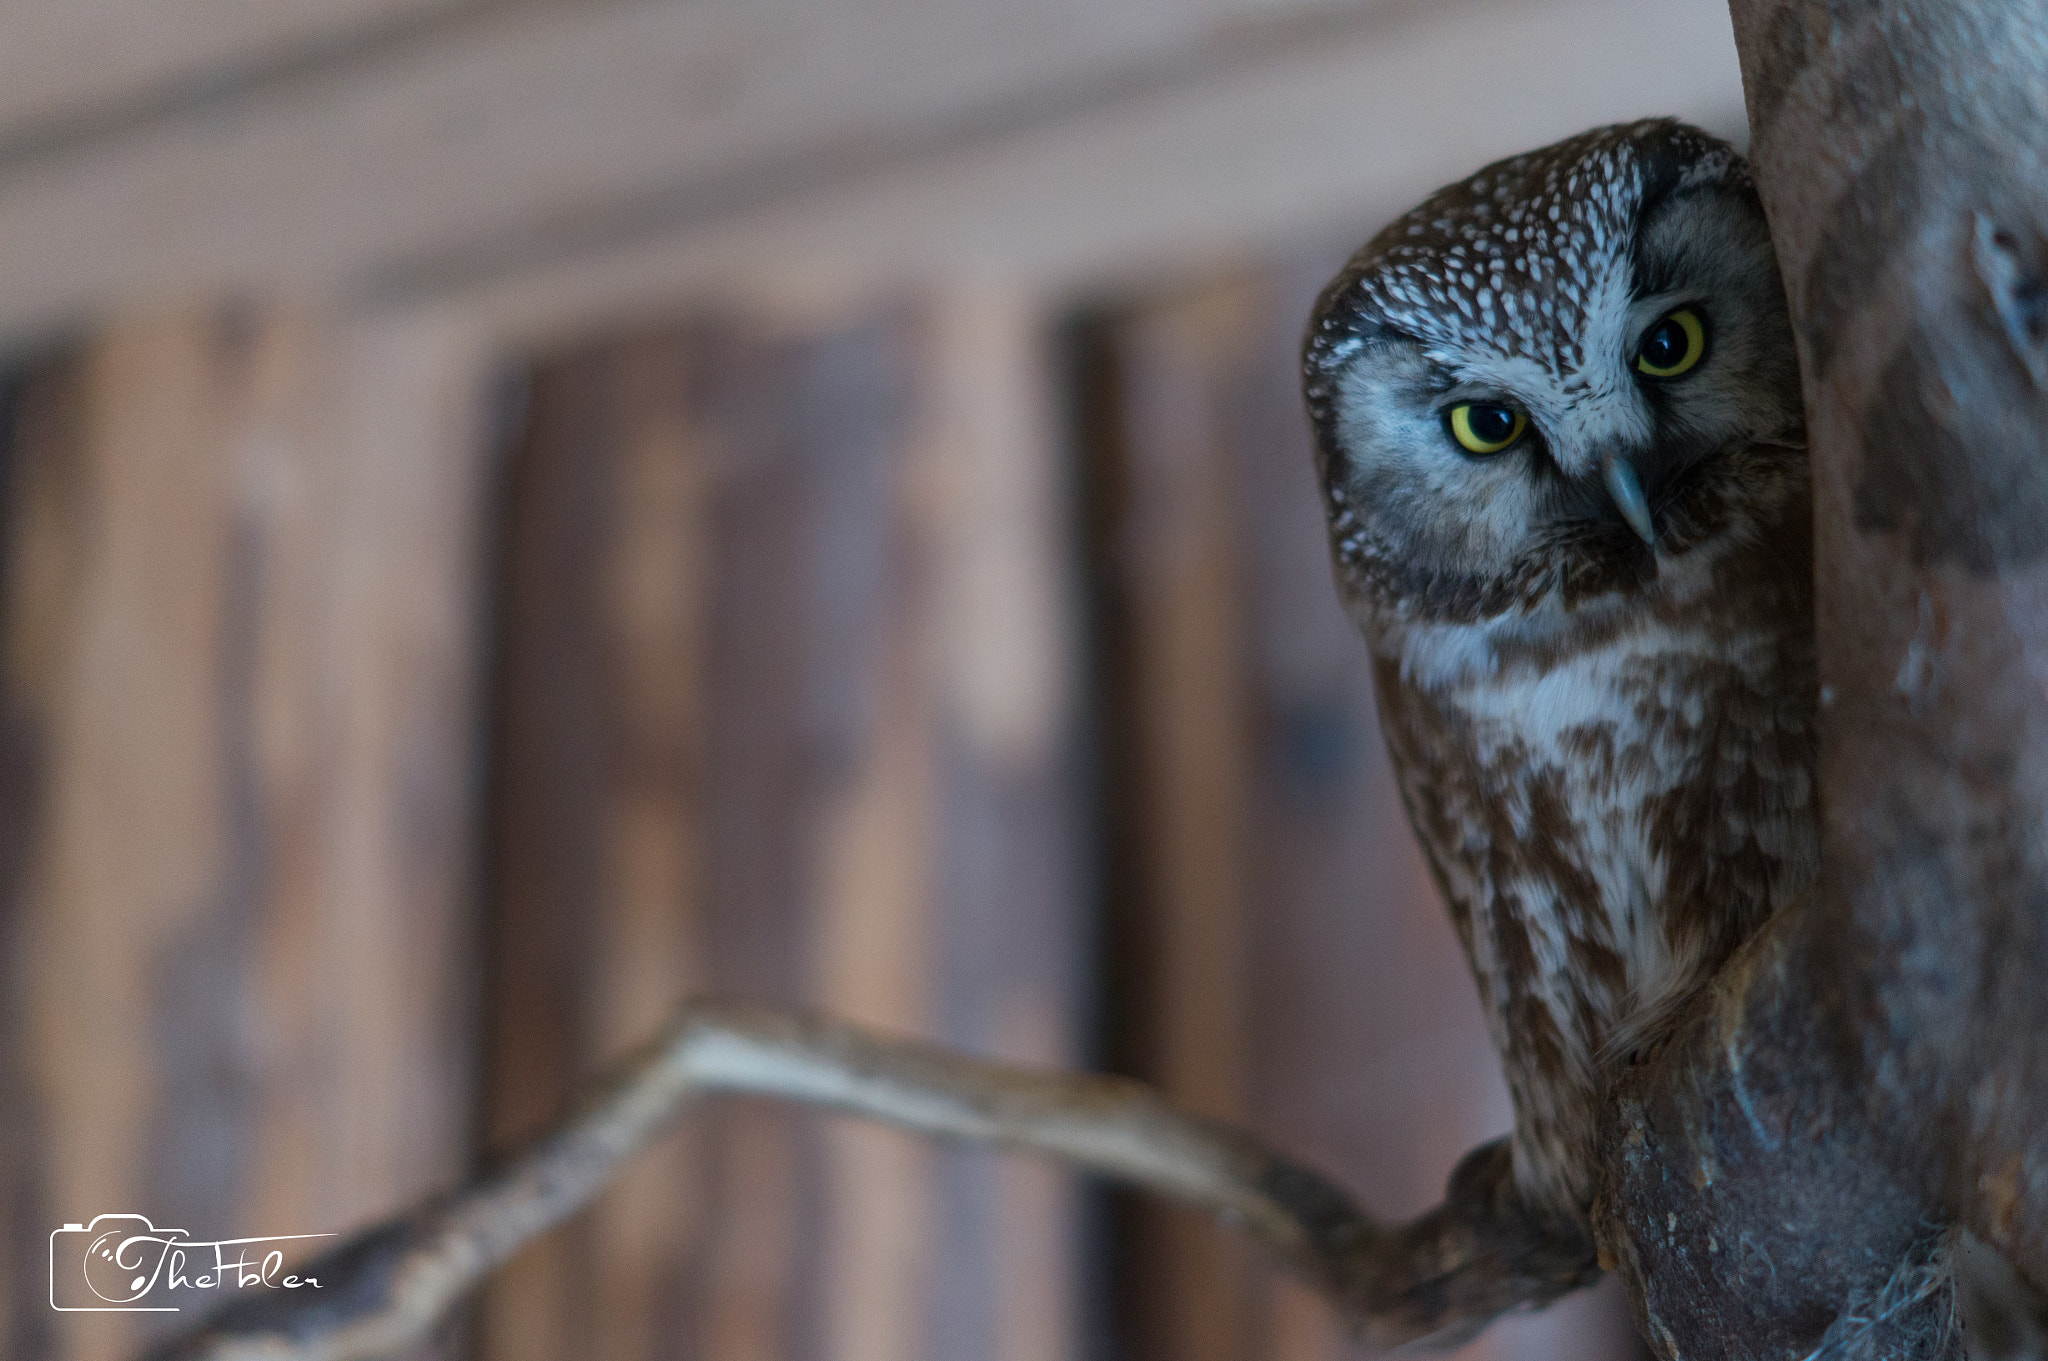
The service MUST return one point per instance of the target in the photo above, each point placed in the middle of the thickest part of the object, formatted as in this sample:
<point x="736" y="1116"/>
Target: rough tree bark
<point x="1872" y="1068"/>
<point x="1868" y="1073"/>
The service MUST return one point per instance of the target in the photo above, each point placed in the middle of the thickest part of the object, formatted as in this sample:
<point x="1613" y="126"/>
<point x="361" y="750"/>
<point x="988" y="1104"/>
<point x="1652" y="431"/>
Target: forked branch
<point x="385" y="1290"/>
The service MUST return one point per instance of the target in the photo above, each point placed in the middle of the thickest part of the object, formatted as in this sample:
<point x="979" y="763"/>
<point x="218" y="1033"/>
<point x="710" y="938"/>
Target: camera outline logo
<point x="123" y="1259"/>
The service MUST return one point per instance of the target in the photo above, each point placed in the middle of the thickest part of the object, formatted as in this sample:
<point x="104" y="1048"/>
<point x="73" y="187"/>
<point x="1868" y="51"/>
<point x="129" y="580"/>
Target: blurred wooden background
<point x="515" y="511"/>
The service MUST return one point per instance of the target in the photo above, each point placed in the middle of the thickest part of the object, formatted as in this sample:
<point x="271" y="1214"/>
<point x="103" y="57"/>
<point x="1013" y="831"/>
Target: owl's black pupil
<point x="1664" y="346"/>
<point x="1492" y="424"/>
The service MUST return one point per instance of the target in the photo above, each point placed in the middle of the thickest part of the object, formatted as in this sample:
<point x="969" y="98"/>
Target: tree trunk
<point x="1871" y="1068"/>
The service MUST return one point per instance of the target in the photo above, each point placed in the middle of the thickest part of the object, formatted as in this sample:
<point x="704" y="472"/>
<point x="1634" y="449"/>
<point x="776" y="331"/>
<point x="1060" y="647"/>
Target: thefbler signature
<point x="123" y="1262"/>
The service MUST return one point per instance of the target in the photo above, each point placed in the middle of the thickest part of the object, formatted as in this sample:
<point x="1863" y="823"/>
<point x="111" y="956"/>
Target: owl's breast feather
<point x="1610" y="810"/>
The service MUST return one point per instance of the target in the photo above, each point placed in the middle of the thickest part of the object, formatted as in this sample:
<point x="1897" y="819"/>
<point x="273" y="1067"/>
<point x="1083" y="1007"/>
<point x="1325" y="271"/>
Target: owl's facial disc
<point x="1635" y="337"/>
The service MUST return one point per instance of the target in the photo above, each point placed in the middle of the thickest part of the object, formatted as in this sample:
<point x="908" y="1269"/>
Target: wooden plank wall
<point x="919" y="660"/>
<point x="1278" y="953"/>
<point x="240" y="622"/>
<point x="787" y="712"/>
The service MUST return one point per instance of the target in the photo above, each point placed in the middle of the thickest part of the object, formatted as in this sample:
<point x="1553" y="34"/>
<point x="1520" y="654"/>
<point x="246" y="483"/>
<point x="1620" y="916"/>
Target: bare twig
<point x="384" y="1291"/>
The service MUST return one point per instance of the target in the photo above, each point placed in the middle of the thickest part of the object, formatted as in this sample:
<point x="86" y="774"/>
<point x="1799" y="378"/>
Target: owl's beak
<point x="1627" y="490"/>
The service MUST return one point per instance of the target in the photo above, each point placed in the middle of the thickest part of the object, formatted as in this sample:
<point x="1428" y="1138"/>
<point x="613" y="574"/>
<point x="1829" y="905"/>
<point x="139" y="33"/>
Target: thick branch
<point x="385" y="1290"/>
<point x="1873" y="1066"/>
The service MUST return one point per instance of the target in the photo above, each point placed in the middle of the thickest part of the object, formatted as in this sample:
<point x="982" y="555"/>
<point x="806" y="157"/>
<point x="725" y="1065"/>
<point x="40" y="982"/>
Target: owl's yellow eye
<point x="1485" y="427"/>
<point x="1673" y="345"/>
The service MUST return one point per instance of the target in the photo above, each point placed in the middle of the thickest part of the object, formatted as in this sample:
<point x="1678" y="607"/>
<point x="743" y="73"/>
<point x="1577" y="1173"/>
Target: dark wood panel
<point x="1174" y="709"/>
<point x="238" y="603"/>
<point x="37" y="429"/>
<point x="742" y="748"/>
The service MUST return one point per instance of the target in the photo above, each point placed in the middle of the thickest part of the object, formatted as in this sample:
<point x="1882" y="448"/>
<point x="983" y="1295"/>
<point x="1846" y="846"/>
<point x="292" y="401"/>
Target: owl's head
<point x="1554" y="380"/>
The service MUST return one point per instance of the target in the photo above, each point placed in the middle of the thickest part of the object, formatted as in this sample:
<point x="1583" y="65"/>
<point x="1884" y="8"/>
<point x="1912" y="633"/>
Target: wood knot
<point x="2013" y="264"/>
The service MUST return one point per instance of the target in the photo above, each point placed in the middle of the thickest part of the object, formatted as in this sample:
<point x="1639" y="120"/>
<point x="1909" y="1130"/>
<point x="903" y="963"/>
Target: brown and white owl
<point x="1559" y="434"/>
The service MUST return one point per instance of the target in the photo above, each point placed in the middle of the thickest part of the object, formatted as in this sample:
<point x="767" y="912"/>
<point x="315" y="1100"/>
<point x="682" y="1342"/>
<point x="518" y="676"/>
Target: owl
<point x="1561" y="450"/>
